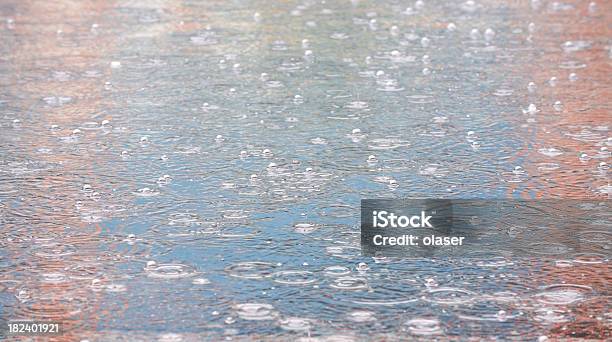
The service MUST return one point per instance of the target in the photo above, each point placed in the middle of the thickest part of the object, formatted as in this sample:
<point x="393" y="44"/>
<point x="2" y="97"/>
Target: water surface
<point x="185" y="170"/>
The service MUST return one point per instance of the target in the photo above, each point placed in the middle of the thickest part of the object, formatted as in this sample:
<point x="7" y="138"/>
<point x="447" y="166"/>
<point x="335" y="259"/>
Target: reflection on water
<point x="179" y="170"/>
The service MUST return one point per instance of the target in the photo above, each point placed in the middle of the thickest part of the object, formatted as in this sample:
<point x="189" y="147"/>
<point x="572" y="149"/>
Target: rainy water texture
<point x="192" y="170"/>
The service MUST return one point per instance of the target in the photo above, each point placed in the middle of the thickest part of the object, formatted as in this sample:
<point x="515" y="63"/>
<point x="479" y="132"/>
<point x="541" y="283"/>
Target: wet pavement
<point x="185" y="170"/>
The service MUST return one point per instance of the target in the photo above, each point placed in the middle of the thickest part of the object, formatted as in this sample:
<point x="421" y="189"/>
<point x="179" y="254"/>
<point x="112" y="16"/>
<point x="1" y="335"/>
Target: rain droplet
<point x="531" y="87"/>
<point x="489" y="34"/>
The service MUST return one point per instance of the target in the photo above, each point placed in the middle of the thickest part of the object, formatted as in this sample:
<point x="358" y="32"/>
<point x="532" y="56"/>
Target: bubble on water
<point x="603" y="153"/>
<point x="10" y="23"/>
<point x="296" y="324"/>
<point x="318" y="141"/>
<point x="431" y="282"/>
<point x="425" y="42"/>
<point x="550" y="152"/>
<point x="489" y="34"/>
<point x="349" y="283"/>
<point x="164" y="180"/>
<point x="449" y="296"/>
<point x="169" y="271"/>
<point x="552" y="81"/>
<point x="200" y="281"/>
<point x="305" y="228"/>
<point x="372" y="159"/>
<point x="361" y="316"/>
<point x="531" y="109"/>
<point x="503" y="92"/>
<point x="23" y="295"/>
<point x="357" y="105"/>
<point x="574" y="46"/>
<point x="54" y="278"/>
<point x="274" y="84"/>
<point x="560" y="6"/>
<point x="424" y="326"/>
<point x="184" y="219"/>
<point x="256" y="311"/>
<point x="394" y="31"/>
<point x="90" y="126"/>
<point x="309" y="55"/>
<point x="572" y="65"/>
<point x="336" y="271"/>
<point x="584" y="157"/>
<point x="592" y="7"/>
<point x="531" y="27"/>
<point x="373" y="24"/>
<point x="393" y="184"/>
<point x="257" y="17"/>
<point x="146" y="192"/>
<point x="339" y="36"/>
<point x="251" y="270"/>
<point x="474" y="34"/>
<point x="548" y="167"/>
<point x="57" y="101"/>
<point x="470" y="6"/>
<point x="296" y="277"/>
<point x="426" y="71"/>
<point x="356" y="135"/>
<point x="235" y="215"/>
<point x="563" y="294"/>
<point x="362" y="267"/>
<point x="433" y="170"/>
<point x="564" y="263"/>
<point x="572" y="77"/>
<point x="558" y="106"/>
<point x="387" y="84"/>
<point x="531" y="87"/>
<point x="387" y="143"/>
